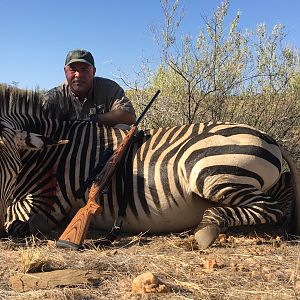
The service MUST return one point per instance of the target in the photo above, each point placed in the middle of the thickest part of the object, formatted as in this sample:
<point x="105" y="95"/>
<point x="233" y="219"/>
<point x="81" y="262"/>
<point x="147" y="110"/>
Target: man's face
<point x="80" y="77"/>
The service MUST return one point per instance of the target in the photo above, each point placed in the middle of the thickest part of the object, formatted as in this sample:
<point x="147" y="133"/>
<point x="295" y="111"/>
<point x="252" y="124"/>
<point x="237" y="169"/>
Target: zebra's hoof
<point x="38" y="224"/>
<point x="206" y="236"/>
<point x="3" y="234"/>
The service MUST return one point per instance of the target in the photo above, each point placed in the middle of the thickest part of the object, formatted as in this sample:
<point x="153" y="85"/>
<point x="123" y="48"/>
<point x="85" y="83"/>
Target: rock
<point x="148" y="283"/>
<point x="297" y="285"/>
<point x="210" y="264"/>
<point x="57" y="278"/>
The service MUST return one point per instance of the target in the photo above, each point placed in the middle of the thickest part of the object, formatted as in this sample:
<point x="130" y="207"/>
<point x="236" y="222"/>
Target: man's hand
<point x="114" y="117"/>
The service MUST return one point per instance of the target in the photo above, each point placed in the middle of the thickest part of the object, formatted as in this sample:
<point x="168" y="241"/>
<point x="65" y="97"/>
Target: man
<point x="84" y="96"/>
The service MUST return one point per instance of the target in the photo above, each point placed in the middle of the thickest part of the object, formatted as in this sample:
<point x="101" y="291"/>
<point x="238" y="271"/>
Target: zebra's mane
<point x="22" y="109"/>
<point x="20" y="102"/>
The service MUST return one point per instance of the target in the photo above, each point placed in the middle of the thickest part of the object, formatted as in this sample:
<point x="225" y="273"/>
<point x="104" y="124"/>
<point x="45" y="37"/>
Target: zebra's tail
<point x="295" y="171"/>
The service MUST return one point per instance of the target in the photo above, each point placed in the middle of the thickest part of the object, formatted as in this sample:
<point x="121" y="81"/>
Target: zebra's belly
<point x="169" y="218"/>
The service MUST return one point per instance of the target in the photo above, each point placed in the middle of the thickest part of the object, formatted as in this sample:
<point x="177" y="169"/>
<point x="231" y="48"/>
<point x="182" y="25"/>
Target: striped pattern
<point x="178" y="177"/>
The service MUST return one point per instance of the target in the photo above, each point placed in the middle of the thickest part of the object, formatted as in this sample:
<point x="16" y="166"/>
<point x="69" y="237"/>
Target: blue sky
<point x="36" y="35"/>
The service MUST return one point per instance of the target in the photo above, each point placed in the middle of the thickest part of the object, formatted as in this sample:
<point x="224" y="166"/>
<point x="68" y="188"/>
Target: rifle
<point x="75" y="233"/>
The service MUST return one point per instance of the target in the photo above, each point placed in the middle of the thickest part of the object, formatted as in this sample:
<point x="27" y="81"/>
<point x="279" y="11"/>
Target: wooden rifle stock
<point x="75" y="233"/>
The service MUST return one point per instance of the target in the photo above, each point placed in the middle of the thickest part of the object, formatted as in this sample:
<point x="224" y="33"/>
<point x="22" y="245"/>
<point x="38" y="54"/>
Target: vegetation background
<point x="222" y="74"/>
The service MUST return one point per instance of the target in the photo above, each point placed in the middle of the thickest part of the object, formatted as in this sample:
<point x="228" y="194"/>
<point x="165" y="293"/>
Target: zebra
<point x="207" y="176"/>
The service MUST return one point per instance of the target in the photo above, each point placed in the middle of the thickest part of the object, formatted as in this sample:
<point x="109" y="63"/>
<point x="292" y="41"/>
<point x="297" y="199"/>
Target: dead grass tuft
<point x="35" y="258"/>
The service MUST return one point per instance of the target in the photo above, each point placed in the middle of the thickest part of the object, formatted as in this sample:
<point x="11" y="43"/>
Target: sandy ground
<point x="240" y="265"/>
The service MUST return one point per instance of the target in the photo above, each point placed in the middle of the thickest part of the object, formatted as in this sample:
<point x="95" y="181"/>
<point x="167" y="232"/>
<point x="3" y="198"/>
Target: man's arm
<point x="115" y="117"/>
<point x="118" y="107"/>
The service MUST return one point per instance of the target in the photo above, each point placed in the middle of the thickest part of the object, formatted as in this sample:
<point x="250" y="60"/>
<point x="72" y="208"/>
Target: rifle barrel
<point x="75" y="233"/>
<point x="146" y="108"/>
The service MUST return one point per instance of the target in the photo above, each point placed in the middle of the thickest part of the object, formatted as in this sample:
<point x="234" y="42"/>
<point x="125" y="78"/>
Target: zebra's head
<point x="12" y="142"/>
<point x="17" y="117"/>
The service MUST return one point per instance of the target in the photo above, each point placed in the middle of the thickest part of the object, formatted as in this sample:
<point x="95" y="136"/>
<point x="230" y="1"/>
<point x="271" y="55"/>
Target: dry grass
<point x="250" y="266"/>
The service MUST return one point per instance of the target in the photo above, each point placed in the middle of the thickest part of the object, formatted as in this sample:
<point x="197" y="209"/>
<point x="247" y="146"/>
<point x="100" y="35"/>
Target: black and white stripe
<point x="179" y="177"/>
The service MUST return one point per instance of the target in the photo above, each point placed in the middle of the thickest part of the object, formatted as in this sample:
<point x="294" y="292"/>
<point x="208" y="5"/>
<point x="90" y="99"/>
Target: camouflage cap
<point x="80" y="55"/>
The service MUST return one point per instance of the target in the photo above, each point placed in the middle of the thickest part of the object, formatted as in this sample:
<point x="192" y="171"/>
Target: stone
<point x="148" y="283"/>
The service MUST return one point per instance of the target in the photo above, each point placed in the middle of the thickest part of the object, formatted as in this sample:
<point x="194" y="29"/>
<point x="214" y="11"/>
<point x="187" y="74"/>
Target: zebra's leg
<point x="23" y="223"/>
<point x="38" y="225"/>
<point x="18" y="229"/>
<point x="244" y="207"/>
<point x="283" y="192"/>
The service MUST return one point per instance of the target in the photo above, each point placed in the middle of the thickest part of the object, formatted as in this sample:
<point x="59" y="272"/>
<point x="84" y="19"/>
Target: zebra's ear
<point x="33" y="141"/>
<point x="1" y="141"/>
